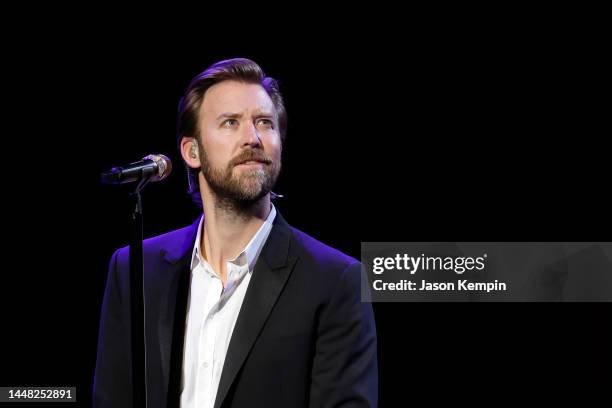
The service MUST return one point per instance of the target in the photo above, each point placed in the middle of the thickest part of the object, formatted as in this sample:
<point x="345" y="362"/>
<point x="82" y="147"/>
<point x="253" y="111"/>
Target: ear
<point x="190" y="153"/>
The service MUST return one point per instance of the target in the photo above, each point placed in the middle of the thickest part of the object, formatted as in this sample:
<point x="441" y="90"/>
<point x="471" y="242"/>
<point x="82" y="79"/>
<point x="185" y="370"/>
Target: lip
<point x="251" y="163"/>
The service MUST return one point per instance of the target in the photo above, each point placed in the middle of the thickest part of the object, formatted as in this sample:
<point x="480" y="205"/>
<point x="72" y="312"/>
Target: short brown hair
<point x="236" y="69"/>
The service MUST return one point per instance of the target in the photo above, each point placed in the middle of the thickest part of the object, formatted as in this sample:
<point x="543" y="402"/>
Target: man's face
<point x="240" y="146"/>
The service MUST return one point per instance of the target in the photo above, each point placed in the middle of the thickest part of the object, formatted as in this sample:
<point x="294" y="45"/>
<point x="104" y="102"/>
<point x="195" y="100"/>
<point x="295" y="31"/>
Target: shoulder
<point x="319" y="258"/>
<point x="170" y="244"/>
<point x="322" y="273"/>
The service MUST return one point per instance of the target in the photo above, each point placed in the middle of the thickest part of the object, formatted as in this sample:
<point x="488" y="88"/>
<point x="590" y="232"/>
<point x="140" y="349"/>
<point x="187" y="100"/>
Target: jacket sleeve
<point x="345" y="372"/>
<point x="112" y="380"/>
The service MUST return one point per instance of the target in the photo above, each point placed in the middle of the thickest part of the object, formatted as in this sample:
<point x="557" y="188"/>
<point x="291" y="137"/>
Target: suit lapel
<point x="269" y="277"/>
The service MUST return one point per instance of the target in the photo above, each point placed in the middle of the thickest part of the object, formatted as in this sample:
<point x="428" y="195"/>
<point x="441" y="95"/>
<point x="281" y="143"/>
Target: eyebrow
<point x="229" y="115"/>
<point x="257" y="114"/>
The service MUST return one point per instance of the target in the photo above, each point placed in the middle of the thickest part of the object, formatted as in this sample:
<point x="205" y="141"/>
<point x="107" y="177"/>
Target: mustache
<point x="251" y="155"/>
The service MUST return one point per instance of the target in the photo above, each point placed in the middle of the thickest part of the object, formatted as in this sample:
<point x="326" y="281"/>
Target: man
<point x="242" y="310"/>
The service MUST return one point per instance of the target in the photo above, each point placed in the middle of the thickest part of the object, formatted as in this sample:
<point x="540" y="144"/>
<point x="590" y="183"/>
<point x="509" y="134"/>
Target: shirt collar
<point x="250" y="254"/>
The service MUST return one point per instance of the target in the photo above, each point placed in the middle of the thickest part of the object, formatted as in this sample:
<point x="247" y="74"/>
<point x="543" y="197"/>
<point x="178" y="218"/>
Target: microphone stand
<point x="137" y="308"/>
<point x="153" y="167"/>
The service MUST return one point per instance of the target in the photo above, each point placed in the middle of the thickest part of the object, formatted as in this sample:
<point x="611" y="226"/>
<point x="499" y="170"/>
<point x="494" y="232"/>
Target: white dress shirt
<point x="211" y="317"/>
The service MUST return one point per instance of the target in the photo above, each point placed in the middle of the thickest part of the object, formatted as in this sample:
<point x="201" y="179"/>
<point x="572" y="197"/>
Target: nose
<point x="251" y="137"/>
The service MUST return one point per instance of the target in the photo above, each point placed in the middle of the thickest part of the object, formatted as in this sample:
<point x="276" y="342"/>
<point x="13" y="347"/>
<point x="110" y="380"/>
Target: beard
<point x="238" y="190"/>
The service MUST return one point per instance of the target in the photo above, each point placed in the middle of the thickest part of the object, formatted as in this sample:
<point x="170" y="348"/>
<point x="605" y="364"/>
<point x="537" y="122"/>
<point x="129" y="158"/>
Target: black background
<point x="436" y="133"/>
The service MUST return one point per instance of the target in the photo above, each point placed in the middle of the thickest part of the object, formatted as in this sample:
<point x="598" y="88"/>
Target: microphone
<point x="154" y="167"/>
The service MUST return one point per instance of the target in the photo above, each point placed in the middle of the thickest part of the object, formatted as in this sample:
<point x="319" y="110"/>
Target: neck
<point x="228" y="229"/>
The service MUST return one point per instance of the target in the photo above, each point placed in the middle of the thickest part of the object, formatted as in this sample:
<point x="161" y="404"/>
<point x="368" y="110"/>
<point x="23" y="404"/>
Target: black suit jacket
<point x="302" y="338"/>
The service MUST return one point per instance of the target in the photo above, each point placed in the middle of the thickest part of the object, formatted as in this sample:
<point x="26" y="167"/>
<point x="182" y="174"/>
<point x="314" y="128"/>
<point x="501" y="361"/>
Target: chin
<point x="252" y="193"/>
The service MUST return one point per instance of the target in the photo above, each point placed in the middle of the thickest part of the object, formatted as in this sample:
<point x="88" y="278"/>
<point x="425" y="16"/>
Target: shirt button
<point x="205" y="365"/>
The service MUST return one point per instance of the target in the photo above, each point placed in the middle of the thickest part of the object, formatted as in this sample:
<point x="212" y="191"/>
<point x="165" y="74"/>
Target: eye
<point x="265" y="123"/>
<point x="229" y="123"/>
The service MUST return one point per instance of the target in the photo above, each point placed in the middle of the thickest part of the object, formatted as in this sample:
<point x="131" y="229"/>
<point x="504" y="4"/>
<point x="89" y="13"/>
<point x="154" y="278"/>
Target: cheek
<point x="273" y="145"/>
<point x="217" y="152"/>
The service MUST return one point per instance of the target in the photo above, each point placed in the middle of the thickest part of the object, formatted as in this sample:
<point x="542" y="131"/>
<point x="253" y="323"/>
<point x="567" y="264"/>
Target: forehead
<point x="235" y="97"/>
